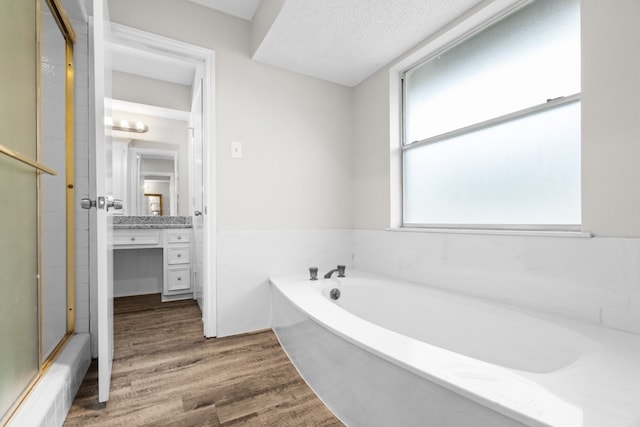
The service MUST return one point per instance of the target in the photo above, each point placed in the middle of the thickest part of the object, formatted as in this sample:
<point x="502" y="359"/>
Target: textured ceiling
<point x="342" y="41"/>
<point x="347" y="41"/>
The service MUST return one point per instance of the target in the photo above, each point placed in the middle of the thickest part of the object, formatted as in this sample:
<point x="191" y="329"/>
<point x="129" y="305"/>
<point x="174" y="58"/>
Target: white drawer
<point x="178" y="255"/>
<point x="178" y="279"/>
<point x="178" y="236"/>
<point x="130" y="238"/>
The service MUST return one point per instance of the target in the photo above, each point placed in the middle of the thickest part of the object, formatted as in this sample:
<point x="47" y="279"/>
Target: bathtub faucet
<point x="340" y="271"/>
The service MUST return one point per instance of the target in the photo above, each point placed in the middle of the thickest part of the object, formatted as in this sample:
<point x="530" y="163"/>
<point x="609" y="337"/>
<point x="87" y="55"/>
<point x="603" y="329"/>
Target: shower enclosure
<point x="36" y="193"/>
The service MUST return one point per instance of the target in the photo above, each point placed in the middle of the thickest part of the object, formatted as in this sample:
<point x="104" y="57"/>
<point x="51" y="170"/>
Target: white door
<point x="197" y="191"/>
<point x="202" y="186"/>
<point x="103" y="239"/>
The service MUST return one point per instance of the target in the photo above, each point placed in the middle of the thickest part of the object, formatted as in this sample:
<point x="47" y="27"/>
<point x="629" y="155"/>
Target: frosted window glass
<point x="525" y="171"/>
<point x="523" y="60"/>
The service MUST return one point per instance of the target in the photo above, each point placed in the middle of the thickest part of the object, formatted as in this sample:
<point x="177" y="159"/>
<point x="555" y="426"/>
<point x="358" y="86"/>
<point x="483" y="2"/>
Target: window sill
<point x="498" y="232"/>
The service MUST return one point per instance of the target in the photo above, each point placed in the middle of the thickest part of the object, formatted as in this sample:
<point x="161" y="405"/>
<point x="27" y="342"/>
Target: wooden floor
<point x="166" y="374"/>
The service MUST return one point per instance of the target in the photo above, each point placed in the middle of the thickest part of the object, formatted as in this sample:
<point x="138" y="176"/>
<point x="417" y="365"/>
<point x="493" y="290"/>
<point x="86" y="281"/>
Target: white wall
<point x="142" y="90"/>
<point x="296" y="170"/>
<point x="294" y="179"/>
<point x="610" y="112"/>
<point x="371" y="162"/>
<point x="295" y="130"/>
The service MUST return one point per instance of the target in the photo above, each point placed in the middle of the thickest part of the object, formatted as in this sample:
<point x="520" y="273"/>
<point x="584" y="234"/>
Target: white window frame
<point x="457" y="32"/>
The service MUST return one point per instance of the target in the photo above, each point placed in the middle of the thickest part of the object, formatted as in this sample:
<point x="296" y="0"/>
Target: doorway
<point x="176" y="63"/>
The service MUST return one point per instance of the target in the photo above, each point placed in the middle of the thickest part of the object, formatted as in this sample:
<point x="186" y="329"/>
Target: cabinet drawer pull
<point x="133" y="239"/>
<point x="179" y="278"/>
<point x="179" y="255"/>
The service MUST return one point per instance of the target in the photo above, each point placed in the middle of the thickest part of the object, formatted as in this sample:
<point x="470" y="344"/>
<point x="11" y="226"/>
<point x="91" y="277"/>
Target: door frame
<point x="149" y="41"/>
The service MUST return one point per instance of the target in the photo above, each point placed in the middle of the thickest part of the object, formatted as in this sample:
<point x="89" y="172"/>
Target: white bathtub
<point x="391" y="353"/>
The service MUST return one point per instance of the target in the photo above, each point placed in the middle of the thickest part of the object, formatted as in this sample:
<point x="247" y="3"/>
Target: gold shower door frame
<point x="69" y="36"/>
<point x="66" y="29"/>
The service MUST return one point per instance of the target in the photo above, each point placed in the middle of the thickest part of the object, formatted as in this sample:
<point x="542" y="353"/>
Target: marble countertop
<point x="149" y="226"/>
<point x="151" y="222"/>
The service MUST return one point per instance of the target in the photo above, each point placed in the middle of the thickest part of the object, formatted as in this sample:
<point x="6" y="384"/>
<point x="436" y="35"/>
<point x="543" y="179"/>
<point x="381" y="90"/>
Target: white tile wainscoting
<point x="595" y="280"/>
<point x="246" y="260"/>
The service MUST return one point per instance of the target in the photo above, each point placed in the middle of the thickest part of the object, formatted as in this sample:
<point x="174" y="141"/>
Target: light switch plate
<point x="236" y="149"/>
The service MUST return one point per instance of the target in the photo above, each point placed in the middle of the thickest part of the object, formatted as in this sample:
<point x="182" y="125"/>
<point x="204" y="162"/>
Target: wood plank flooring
<point x="165" y="373"/>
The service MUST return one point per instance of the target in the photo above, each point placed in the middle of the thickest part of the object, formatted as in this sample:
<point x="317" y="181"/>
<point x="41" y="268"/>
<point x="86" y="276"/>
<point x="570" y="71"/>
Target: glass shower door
<point x="19" y="335"/>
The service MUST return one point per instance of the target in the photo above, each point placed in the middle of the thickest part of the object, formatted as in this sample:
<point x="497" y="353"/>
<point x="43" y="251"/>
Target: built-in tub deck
<point x="496" y="364"/>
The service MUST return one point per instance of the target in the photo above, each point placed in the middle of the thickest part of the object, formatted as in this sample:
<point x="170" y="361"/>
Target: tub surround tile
<point x="592" y="280"/>
<point x="246" y="260"/>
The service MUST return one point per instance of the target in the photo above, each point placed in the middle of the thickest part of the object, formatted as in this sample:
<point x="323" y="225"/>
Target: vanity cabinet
<point x="177" y="262"/>
<point x="176" y="256"/>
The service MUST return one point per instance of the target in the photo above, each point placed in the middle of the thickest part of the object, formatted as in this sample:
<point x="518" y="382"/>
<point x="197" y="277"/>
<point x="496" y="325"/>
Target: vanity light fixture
<point x="126" y="126"/>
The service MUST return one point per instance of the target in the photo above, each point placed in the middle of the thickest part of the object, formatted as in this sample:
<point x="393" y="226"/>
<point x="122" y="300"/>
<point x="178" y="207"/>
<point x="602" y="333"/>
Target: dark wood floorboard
<point x="165" y="373"/>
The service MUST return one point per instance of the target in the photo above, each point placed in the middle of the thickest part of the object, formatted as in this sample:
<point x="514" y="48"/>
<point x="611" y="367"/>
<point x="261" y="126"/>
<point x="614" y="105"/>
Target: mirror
<point x="148" y="163"/>
<point x="154" y="180"/>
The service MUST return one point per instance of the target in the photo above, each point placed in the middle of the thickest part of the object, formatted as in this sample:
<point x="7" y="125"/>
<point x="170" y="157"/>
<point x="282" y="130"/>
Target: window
<point x="491" y="132"/>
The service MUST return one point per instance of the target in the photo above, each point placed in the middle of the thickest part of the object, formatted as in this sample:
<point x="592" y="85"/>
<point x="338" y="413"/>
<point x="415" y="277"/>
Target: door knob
<point x="113" y="203"/>
<point x="101" y="203"/>
<point x="87" y="203"/>
<point x="197" y="213"/>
